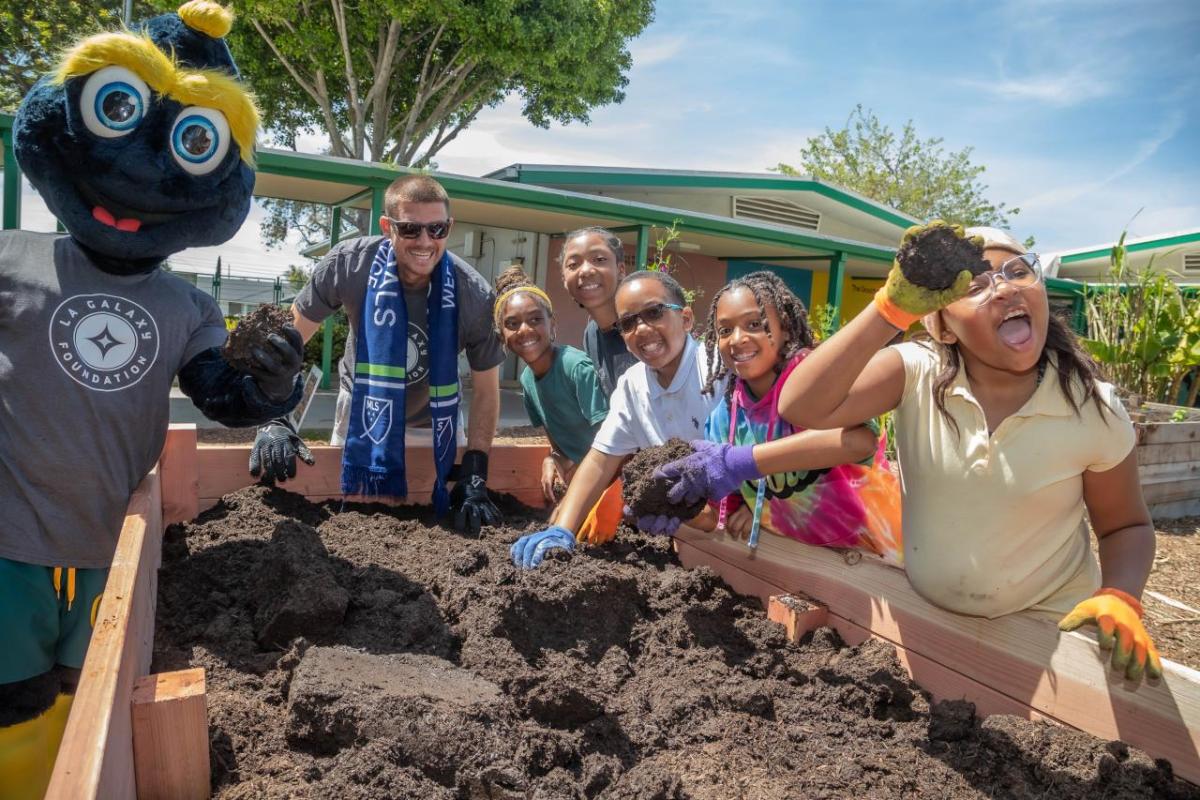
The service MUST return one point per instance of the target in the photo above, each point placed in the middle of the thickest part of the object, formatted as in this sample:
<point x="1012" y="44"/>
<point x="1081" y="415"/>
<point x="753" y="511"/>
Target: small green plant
<point x="661" y="261"/>
<point x="1180" y="415"/>
<point x="822" y="319"/>
<point x="1143" y="330"/>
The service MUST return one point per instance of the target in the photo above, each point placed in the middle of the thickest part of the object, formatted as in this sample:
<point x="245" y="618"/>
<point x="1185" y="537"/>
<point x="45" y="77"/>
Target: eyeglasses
<point x="412" y="230"/>
<point x="1021" y="272"/>
<point x="649" y="315"/>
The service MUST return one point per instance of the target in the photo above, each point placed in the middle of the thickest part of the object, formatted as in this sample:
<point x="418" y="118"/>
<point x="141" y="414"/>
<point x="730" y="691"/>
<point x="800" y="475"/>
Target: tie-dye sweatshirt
<point x="851" y="505"/>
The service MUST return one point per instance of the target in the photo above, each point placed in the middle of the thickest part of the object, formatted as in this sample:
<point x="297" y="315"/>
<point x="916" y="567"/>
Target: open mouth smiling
<point x="119" y="215"/>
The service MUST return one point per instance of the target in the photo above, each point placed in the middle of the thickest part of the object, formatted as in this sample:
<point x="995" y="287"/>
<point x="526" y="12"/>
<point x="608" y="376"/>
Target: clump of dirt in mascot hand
<point x="251" y="332"/>
<point x="933" y="258"/>
<point x="646" y="495"/>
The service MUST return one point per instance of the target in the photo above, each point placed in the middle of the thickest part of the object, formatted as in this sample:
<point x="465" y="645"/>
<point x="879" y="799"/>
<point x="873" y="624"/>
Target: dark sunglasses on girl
<point x="649" y="315"/>
<point x="411" y="230"/>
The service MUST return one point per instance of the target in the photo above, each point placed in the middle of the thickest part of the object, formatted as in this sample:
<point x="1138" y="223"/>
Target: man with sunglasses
<point x="415" y="226"/>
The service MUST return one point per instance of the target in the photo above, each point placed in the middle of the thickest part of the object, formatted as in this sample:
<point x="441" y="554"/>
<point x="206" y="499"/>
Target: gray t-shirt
<point x="340" y="280"/>
<point x="608" y="352"/>
<point x="86" y="364"/>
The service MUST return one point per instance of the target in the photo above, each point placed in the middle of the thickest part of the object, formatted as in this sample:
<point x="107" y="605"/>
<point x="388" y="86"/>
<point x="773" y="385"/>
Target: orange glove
<point x="602" y="521"/>
<point x="1119" y="619"/>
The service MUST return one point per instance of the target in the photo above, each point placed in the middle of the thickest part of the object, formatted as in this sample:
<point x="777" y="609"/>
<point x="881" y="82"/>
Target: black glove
<point x="469" y="498"/>
<point x="275" y="449"/>
<point x="275" y="368"/>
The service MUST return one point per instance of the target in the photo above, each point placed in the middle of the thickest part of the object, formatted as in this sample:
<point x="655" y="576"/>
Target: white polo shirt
<point x="994" y="521"/>
<point x="641" y="413"/>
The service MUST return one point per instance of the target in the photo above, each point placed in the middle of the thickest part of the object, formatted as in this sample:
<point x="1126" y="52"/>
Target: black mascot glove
<point x="276" y="367"/>
<point x="469" y="498"/>
<point x="275" y="449"/>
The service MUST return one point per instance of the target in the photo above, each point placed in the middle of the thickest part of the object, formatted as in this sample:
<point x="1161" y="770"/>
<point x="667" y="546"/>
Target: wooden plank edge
<point x="95" y="758"/>
<point x="170" y="735"/>
<point x="1154" y="723"/>
<point x="179" y="473"/>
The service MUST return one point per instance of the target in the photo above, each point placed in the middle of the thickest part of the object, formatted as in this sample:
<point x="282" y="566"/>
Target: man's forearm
<point x="485" y="410"/>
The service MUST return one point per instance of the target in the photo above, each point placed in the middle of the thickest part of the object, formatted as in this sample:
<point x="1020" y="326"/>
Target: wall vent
<point x="1191" y="262"/>
<point x="776" y="210"/>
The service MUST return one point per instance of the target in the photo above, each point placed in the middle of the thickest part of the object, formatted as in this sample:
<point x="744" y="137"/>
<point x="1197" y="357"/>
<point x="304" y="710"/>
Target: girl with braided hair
<point x="810" y="485"/>
<point x="562" y="393"/>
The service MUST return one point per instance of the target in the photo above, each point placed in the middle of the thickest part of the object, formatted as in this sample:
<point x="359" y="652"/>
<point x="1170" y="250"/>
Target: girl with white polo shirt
<point x="1005" y="435"/>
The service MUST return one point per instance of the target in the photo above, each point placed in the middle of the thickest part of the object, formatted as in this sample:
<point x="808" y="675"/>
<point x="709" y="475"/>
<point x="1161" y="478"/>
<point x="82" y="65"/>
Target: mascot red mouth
<point x="128" y="224"/>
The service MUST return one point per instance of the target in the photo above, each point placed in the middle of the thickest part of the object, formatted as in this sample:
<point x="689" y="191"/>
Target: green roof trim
<point x="350" y="172"/>
<point x="1148" y="244"/>
<point x="699" y="180"/>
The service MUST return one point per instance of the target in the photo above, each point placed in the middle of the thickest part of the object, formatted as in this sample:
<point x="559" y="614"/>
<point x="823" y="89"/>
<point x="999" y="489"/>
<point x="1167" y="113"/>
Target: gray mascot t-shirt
<point x="340" y="280"/>
<point x="86" y="365"/>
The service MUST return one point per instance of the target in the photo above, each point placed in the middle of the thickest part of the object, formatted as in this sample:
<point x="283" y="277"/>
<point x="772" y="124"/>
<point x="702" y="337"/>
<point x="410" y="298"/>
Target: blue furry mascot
<point x="141" y="143"/>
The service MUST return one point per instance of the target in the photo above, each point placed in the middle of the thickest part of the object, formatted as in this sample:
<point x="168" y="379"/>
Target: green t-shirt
<point x="567" y="401"/>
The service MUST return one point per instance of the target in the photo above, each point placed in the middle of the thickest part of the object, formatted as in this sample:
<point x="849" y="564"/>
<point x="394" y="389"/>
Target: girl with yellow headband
<point x="562" y="392"/>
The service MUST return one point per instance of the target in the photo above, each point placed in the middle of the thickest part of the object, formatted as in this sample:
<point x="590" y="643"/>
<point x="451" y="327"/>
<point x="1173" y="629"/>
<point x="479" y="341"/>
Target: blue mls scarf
<point x="373" y="457"/>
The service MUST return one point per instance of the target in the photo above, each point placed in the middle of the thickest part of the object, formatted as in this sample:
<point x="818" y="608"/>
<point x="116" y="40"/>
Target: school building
<point x="832" y="246"/>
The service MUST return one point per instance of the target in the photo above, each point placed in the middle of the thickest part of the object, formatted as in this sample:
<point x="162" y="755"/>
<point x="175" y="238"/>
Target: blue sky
<point x="1082" y="112"/>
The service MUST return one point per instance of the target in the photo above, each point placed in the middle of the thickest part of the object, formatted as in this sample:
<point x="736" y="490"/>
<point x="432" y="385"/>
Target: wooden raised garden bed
<point x="131" y="734"/>
<point x="1169" y="460"/>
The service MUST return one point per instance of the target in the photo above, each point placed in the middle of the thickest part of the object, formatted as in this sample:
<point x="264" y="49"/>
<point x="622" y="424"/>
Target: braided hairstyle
<point x="768" y="289"/>
<point x="514" y="278"/>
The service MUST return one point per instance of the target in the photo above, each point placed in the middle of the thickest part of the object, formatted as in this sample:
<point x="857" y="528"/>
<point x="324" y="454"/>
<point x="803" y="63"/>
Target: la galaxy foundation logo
<point x="102" y="341"/>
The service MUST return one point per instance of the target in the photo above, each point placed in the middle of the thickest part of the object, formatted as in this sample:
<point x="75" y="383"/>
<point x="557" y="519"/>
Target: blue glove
<point x="528" y="551"/>
<point x="658" y="524"/>
<point x="712" y="471"/>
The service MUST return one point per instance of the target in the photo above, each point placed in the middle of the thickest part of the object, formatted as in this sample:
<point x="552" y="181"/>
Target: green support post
<point x="376" y="210"/>
<point x="1078" y="315"/>
<point x="277" y="291"/>
<point x="12" y="184"/>
<point x="837" y="277"/>
<point x="643" y="245"/>
<point x="335" y="231"/>
<point x="216" y="285"/>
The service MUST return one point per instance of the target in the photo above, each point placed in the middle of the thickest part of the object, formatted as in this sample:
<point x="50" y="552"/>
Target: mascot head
<point x="142" y="141"/>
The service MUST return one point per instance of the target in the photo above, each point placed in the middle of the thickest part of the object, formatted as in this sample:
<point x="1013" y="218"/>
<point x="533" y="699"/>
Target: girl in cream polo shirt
<point x="1004" y="436"/>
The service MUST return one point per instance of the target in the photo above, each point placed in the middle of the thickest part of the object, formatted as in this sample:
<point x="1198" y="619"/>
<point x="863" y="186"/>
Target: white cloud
<point x="1146" y="149"/>
<point x="1079" y="85"/>
<point x="647" y="52"/>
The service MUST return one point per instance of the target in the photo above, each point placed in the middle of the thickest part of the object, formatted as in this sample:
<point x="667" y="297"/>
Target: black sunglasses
<point x="649" y="314"/>
<point x="411" y="230"/>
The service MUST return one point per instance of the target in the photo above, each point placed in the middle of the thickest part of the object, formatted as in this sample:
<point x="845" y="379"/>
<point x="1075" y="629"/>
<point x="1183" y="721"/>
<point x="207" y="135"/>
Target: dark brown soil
<point x="252" y="331"/>
<point x="934" y="257"/>
<point x="448" y="673"/>
<point x="646" y="495"/>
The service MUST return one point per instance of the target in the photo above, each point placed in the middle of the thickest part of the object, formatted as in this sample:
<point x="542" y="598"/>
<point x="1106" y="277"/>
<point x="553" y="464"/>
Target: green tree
<point x="32" y="33"/>
<point x="398" y="80"/>
<point x="914" y="175"/>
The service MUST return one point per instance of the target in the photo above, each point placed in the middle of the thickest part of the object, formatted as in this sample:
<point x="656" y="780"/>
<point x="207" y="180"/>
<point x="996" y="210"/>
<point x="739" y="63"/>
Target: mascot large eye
<point x="200" y="139"/>
<point x="113" y="102"/>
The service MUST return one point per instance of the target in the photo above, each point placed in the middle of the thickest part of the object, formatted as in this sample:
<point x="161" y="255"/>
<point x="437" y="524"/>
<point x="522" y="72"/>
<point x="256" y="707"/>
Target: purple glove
<point x="658" y="524"/>
<point x="712" y="471"/>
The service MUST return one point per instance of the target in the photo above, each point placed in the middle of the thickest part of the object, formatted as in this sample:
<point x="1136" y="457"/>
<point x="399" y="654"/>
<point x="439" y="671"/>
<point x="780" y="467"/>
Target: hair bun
<point x="512" y="278"/>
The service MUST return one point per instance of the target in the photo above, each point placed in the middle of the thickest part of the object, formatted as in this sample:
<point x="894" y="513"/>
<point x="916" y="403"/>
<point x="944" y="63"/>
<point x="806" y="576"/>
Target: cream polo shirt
<point x="641" y="413"/>
<point x="995" y="524"/>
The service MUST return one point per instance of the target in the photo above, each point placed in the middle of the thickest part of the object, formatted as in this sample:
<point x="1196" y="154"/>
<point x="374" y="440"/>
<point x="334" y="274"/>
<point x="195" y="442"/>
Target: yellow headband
<point x="161" y="73"/>
<point x="534" y="290"/>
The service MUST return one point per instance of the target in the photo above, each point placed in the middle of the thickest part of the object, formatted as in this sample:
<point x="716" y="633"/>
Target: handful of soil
<point x="646" y="495"/>
<point x="933" y="258"/>
<point x="252" y="331"/>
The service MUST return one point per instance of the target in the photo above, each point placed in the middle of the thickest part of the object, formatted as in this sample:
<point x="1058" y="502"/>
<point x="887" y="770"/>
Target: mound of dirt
<point x="934" y="257"/>
<point x="646" y="495"/>
<point x="615" y="674"/>
<point x="251" y="332"/>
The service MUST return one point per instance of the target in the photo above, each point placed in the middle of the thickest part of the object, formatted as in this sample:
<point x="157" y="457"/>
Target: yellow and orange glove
<point x="602" y="521"/>
<point x="1119" y="618"/>
<point x="902" y="302"/>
